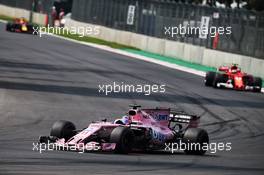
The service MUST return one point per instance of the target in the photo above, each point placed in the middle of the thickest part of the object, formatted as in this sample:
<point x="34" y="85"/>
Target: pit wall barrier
<point x="37" y="18"/>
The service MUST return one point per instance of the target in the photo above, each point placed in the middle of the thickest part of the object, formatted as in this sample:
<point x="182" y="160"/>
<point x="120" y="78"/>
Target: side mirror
<point x="104" y="120"/>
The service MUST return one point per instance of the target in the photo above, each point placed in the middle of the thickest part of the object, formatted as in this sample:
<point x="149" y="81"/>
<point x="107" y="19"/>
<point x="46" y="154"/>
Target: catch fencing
<point x="154" y="18"/>
<point x="41" y="6"/>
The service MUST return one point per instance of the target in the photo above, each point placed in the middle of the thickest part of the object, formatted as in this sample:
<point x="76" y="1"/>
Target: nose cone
<point x="136" y="117"/>
<point x="239" y="83"/>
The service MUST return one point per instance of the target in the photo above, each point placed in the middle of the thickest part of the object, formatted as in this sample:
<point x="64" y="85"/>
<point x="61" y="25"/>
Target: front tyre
<point x="195" y="140"/>
<point x="63" y="129"/>
<point x="257" y="83"/>
<point x="124" y="139"/>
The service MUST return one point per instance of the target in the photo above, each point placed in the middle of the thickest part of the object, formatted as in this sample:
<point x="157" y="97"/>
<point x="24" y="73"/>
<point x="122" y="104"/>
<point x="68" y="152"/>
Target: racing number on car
<point x="158" y="136"/>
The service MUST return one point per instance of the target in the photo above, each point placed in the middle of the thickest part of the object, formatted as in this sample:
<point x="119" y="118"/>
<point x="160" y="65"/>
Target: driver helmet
<point x="126" y="120"/>
<point x="234" y="69"/>
<point x="22" y="20"/>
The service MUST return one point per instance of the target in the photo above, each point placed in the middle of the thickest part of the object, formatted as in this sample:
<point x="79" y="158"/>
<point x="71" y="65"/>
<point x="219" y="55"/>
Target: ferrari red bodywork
<point x="232" y="77"/>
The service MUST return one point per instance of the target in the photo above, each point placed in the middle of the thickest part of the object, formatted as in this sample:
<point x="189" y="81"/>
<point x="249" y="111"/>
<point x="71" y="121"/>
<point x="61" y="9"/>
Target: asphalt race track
<point x="47" y="79"/>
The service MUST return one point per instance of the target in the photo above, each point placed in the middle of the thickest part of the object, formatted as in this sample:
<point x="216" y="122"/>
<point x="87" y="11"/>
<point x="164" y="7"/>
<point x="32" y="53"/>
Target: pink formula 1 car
<point x="140" y="129"/>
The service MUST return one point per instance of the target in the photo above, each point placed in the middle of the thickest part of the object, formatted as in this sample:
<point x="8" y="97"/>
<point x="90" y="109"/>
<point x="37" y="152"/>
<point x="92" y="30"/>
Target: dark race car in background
<point x="21" y="25"/>
<point x="233" y="78"/>
<point x="138" y="130"/>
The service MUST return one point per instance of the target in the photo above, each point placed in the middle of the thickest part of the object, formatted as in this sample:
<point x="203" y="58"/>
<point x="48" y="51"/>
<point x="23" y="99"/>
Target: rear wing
<point x="183" y="117"/>
<point x="223" y="68"/>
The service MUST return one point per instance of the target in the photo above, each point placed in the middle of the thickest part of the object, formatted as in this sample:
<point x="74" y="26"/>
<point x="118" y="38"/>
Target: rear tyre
<point x="257" y="82"/>
<point x="248" y="80"/>
<point x="8" y="27"/>
<point x="124" y="139"/>
<point x="195" y="139"/>
<point x="209" y="78"/>
<point x="63" y="129"/>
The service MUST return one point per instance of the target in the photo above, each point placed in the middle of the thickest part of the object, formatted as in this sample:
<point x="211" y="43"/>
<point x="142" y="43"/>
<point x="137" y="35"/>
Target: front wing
<point x="60" y="145"/>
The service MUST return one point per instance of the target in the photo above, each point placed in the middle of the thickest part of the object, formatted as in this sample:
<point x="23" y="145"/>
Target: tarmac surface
<point x="47" y="79"/>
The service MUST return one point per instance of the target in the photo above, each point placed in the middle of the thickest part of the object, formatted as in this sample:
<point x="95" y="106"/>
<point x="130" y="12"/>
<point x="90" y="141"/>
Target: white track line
<point x="3" y="21"/>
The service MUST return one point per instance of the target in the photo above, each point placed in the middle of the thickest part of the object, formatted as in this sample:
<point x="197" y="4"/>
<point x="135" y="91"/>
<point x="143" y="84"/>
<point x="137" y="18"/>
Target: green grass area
<point x="177" y="61"/>
<point x="6" y="18"/>
<point x="67" y="34"/>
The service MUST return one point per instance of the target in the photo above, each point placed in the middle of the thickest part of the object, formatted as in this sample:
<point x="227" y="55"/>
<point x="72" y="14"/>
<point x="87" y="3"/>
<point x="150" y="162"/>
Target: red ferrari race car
<point x="138" y="130"/>
<point x="21" y="25"/>
<point x="232" y="77"/>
